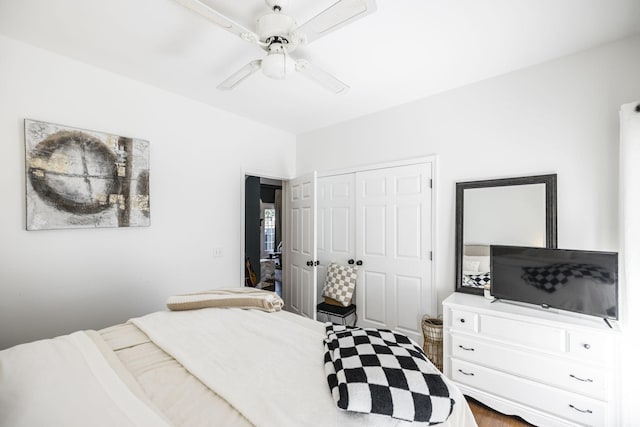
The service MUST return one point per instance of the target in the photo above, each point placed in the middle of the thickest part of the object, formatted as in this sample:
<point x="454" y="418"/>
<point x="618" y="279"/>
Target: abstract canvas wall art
<point x="84" y="179"/>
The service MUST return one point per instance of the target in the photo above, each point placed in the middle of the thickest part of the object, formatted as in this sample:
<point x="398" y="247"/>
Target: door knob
<point x="350" y="262"/>
<point x="309" y="263"/>
<point x="359" y="262"/>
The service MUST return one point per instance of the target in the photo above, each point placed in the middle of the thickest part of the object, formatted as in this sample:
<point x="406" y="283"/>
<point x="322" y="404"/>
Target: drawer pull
<point x="467" y="348"/>
<point x="586" y="380"/>
<point x="462" y="320"/>
<point x="584" y="411"/>
<point x="587" y="346"/>
<point x="466" y="373"/>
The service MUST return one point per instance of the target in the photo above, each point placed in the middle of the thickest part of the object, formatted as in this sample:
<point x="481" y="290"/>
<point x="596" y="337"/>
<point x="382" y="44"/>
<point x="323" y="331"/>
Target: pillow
<point x="340" y="283"/>
<point x="483" y="260"/>
<point x="476" y="280"/>
<point x="470" y="267"/>
<point x="227" y="298"/>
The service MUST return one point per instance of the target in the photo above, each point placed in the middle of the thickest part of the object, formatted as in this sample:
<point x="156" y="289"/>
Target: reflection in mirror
<point x="513" y="211"/>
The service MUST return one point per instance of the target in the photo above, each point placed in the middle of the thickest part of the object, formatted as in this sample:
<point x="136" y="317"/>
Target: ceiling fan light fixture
<point x="277" y="65"/>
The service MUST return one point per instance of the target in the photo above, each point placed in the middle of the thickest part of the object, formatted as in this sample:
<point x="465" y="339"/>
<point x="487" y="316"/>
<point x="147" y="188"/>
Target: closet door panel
<point x="322" y="239"/>
<point x="375" y="313"/>
<point x="409" y="231"/>
<point x="408" y="290"/>
<point x="336" y="205"/>
<point x="296" y="238"/>
<point x="393" y="239"/>
<point x="374" y="236"/>
<point x="375" y="185"/>
<point x="294" y="299"/>
<point x="308" y="242"/>
<point x="341" y="230"/>
<point x="299" y="290"/>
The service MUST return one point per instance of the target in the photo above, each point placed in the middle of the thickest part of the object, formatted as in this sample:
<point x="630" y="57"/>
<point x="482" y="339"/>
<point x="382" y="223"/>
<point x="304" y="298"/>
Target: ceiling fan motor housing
<point x="274" y="25"/>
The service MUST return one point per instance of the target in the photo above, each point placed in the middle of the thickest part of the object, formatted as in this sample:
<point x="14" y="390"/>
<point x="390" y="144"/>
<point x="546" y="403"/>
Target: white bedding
<point x="268" y="366"/>
<point x="67" y="382"/>
<point x="263" y="368"/>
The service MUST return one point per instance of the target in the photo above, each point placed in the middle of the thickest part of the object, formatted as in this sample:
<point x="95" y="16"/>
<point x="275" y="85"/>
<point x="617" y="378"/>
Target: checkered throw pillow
<point x="382" y="372"/>
<point x="340" y="283"/>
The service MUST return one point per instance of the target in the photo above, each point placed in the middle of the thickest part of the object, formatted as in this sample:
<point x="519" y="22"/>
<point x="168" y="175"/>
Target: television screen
<point x="574" y="280"/>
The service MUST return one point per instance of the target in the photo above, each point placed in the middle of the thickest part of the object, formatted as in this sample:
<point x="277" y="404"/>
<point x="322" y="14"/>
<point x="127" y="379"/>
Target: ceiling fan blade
<point x="237" y="77"/>
<point x="338" y="15"/>
<point x="219" y="19"/>
<point x="320" y="76"/>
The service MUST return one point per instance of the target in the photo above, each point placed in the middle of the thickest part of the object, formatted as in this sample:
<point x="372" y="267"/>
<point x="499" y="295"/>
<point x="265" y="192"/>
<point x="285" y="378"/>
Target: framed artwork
<point x="77" y="178"/>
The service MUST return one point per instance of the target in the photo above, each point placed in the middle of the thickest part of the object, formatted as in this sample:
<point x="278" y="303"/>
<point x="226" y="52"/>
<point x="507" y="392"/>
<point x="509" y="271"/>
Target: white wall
<point x="57" y="281"/>
<point x="559" y="117"/>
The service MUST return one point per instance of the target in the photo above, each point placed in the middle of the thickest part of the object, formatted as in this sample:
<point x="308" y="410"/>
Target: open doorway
<point x="263" y="233"/>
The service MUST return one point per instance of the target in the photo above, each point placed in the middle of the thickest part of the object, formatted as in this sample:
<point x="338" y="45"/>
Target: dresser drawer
<point x="569" y="375"/>
<point x="529" y="334"/>
<point x="590" y="347"/>
<point x="569" y="406"/>
<point x="464" y="321"/>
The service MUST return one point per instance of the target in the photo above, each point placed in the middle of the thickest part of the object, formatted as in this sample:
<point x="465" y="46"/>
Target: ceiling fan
<point x="279" y="35"/>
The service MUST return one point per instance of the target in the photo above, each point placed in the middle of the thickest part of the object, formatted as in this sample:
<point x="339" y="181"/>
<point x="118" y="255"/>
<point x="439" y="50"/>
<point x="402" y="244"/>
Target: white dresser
<point x="550" y="367"/>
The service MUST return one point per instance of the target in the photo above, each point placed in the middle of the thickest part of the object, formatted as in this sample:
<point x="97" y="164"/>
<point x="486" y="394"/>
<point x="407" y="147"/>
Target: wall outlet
<point x="217" y="252"/>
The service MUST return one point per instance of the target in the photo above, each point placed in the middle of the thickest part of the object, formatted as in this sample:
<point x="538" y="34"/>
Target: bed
<point x="200" y="366"/>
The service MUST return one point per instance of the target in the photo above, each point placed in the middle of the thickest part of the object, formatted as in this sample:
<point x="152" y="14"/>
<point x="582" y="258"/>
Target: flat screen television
<point x="574" y="280"/>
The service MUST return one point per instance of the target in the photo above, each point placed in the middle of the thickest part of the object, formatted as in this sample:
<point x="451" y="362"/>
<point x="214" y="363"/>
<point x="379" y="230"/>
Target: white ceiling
<point x="406" y="50"/>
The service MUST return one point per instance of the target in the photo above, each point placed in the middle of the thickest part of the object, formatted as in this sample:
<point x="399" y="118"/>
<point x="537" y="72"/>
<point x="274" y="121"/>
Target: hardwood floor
<point x="487" y="417"/>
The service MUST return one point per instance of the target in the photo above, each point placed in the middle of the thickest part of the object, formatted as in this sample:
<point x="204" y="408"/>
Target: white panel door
<point x="393" y="241"/>
<point x="300" y="247"/>
<point x="336" y="223"/>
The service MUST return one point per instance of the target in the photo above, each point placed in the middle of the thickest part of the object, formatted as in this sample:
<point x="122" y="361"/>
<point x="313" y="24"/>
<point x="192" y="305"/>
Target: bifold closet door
<point x="393" y="241"/>
<point x="300" y="247"/>
<point x="335" y="223"/>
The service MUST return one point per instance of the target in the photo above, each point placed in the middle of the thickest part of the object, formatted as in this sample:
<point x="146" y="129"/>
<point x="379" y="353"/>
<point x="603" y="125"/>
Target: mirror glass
<point x="512" y="211"/>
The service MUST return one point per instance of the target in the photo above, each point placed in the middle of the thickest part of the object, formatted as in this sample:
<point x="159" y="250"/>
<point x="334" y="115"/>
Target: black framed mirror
<point x="518" y="211"/>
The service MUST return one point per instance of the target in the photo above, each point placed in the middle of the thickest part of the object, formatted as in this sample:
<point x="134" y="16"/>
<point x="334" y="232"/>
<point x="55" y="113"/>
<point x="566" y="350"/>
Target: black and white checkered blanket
<point x="382" y="372"/>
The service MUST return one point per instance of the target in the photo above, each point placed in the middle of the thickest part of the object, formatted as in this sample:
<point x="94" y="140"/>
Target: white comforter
<point x="67" y="382"/>
<point x="270" y="368"/>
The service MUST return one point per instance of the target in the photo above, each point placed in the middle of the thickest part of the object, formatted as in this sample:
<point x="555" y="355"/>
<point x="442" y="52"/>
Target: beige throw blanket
<point x="227" y="298"/>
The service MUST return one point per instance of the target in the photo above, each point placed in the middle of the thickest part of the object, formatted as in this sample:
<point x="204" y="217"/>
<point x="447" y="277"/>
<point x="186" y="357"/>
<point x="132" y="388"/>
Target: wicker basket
<point x="432" y="331"/>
